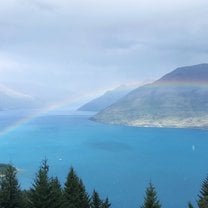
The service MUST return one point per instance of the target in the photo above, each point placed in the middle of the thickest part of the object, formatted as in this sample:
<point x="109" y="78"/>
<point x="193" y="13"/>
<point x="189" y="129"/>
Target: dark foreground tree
<point x="56" y="193"/>
<point x="83" y="195"/>
<point x="96" y="201"/>
<point x="190" y="205"/>
<point x="106" y="204"/>
<point x="40" y="193"/>
<point x="47" y="192"/>
<point x="25" y="199"/>
<point x="75" y="195"/>
<point x="10" y="194"/>
<point x="203" y="195"/>
<point x="150" y="200"/>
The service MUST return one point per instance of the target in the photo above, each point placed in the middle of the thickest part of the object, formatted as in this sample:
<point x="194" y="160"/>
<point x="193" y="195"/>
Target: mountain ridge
<point x="12" y="99"/>
<point x="107" y="99"/>
<point x="163" y="103"/>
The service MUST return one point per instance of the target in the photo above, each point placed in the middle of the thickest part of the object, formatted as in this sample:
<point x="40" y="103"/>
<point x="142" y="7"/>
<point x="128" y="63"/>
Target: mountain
<point x="178" y="99"/>
<point x="12" y="99"/>
<point x="106" y="99"/>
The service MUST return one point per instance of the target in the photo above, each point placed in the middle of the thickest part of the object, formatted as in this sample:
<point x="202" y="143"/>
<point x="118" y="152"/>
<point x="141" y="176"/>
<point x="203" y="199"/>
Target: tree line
<point x="47" y="192"/>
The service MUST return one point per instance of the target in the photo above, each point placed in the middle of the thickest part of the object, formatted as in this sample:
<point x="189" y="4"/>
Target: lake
<point x="117" y="161"/>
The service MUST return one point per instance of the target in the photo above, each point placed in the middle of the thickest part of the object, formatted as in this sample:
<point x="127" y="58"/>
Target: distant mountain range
<point x="12" y="99"/>
<point x="178" y="99"/>
<point x="107" y="99"/>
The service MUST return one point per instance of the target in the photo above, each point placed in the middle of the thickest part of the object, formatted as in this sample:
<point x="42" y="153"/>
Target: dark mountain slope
<point x="178" y="99"/>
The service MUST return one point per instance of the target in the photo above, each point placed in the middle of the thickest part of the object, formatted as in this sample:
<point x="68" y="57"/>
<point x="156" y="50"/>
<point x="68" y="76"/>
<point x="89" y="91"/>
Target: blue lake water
<point x="117" y="161"/>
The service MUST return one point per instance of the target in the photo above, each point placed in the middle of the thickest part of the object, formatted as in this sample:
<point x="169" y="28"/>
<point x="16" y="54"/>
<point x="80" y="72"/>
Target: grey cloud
<point x="42" y="5"/>
<point x="90" y="45"/>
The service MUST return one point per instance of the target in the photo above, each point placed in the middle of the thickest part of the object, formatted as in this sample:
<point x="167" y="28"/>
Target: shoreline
<point x="152" y="125"/>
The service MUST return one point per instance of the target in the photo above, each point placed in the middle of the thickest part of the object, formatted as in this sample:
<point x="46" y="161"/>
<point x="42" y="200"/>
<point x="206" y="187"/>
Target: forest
<point x="47" y="192"/>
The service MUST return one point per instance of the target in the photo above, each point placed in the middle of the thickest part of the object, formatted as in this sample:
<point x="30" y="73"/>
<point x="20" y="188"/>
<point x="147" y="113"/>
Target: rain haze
<point x="58" y="49"/>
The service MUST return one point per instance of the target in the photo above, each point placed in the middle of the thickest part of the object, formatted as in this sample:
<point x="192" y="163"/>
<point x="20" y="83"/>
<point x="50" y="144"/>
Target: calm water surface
<point x="117" y="161"/>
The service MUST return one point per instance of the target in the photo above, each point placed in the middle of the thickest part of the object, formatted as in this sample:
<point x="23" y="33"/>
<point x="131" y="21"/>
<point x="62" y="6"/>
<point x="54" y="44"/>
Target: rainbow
<point x="68" y="101"/>
<point x="191" y="84"/>
<point x="37" y="113"/>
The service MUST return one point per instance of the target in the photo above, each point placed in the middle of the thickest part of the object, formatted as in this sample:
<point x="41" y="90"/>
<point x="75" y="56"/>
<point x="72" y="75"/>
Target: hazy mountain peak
<point x="107" y="99"/>
<point x="13" y="99"/>
<point x="13" y="93"/>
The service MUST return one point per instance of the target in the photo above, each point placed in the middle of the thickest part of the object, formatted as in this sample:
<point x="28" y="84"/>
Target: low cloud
<point x="91" y="45"/>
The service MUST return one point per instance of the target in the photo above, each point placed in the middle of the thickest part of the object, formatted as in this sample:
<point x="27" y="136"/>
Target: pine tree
<point x="190" y="205"/>
<point x="10" y="194"/>
<point x="71" y="190"/>
<point x="56" y="193"/>
<point x="106" y="204"/>
<point x="203" y="195"/>
<point x="150" y="200"/>
<point x="84" y="197"/>
<point x="96" y="202"/>
<point x="75" y="195"/>
<point x="40" y="193"/>
<point x="25" y="199"/>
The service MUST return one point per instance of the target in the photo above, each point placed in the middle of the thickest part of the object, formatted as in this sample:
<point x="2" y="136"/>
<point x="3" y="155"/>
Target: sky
<point x="60" y="48"/>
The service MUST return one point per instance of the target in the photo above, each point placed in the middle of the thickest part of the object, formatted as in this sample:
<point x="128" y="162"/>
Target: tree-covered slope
<point x="178" y="99"/>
